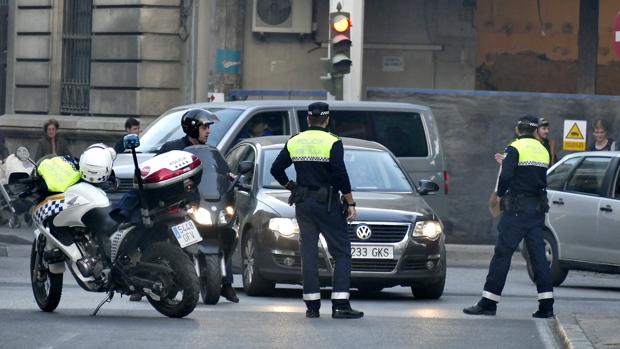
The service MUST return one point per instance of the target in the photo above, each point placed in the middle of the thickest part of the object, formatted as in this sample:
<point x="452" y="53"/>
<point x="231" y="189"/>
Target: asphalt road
<point x="394" y="319"/>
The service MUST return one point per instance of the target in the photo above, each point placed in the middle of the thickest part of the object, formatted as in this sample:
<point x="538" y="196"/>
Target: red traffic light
<point x="341" y="23"/>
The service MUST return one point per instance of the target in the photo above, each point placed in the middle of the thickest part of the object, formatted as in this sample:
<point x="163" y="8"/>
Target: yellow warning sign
<point x="574" y="136"/>
<point x="574" y="146"/>
<point x="574" y="132"/>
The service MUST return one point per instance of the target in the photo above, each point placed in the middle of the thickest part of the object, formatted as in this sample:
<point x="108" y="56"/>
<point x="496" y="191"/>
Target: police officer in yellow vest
<point x="522" y="190"/>
<point x="318" y="157"/>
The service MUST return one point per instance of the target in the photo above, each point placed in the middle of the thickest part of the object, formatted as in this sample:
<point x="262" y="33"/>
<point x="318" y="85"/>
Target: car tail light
<point x="446" y="179"/>
<point x="174" y="210"/>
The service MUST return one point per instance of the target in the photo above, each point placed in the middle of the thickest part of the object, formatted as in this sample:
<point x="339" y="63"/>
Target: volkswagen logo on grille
<point x="363" y="232"/>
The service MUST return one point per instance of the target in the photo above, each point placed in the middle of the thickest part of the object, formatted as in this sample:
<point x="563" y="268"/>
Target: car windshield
<point x="168" y="128"/>
<point x="369" y="170"/>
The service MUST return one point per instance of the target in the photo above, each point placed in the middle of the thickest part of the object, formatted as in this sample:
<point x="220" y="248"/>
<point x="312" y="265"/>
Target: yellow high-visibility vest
<point x="58" y="173"/>
<point x="311" y="145"/>
<point x="531" y="152"/>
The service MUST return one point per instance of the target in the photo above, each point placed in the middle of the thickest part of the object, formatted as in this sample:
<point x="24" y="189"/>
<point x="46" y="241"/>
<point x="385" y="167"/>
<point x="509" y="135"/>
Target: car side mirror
<point x="426" y="187"/>
<point x="131" y="141"/>
<point x="241" y="183"/>
<point x="245" y="167"/>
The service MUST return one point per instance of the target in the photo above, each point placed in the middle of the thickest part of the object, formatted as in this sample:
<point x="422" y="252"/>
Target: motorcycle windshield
<point x="214" y="181"/>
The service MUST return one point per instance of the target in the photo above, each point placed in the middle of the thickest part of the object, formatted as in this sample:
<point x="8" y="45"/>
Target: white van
<point x="409" y="131"/>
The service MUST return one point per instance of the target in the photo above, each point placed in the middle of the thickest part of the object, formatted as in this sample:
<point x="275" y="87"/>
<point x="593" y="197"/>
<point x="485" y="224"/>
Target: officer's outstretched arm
<point x="509" y="164"/>
<point x="280" y="164"/>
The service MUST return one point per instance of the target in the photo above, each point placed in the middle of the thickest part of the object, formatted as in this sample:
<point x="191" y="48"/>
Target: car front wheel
<point x="432" y="289"/>
<point x="253" y="283"/>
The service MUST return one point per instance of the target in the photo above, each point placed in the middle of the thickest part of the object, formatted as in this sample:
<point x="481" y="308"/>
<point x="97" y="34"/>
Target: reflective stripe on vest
<point x="58" y="174"/>
<point x="311" y="145"/>
<point x="531" y="152"/>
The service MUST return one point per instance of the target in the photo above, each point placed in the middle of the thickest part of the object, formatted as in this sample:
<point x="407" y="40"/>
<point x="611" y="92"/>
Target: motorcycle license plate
<point x="372" y="252"/>
<point x="186" y="234"/>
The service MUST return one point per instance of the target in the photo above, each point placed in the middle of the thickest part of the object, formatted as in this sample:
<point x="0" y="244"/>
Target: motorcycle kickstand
<point x="107" y="299"/>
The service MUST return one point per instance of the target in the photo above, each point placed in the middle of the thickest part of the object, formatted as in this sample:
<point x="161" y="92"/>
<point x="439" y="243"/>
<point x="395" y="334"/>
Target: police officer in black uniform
<point x="522" y="190"/>
<point x="318" y="157"/>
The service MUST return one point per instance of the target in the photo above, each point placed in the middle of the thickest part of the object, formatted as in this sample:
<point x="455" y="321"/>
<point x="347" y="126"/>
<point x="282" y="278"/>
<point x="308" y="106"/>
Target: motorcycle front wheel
<point x="46" y="287"/>
<point x="211" y="279"/>
<point x="182" y="297"/>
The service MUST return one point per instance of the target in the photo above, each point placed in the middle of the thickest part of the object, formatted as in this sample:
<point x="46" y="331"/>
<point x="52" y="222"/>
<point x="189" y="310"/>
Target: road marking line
<point x="59" y="342"/>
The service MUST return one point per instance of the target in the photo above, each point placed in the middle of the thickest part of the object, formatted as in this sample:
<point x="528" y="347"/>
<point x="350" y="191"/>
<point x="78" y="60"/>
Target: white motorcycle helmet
<point x="96" y="163"/>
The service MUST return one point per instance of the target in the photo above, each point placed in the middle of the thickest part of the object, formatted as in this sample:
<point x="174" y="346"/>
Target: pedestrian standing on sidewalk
<point x="132" y="126"/>
<point x="601" y="141"/>
<point x="318" y="157"/>
<point x="542" y="134"/>
<point x="51" y="143"/>
<point x="522" y="189"/>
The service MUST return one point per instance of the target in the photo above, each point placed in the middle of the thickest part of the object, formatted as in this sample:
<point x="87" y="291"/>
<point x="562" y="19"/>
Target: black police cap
<point x="528" y="120"/>
<point x="318" y="109"/>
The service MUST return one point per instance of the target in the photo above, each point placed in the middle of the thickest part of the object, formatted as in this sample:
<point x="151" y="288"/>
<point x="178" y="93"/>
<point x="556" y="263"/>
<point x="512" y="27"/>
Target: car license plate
<point x="186" y="234"/>
<point x="372" y="252"/>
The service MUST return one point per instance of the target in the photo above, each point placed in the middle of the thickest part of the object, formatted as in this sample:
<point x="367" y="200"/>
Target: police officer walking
<point x="522" y="190"/>
<point x="318" y="157"/>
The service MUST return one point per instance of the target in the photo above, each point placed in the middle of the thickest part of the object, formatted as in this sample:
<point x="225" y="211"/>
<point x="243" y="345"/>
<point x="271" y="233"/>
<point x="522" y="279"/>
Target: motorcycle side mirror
<point x="426" y="187"/>
<point x="22" y="154"/>
<point x="131" y="141"/>
<point x="245" y="167"/>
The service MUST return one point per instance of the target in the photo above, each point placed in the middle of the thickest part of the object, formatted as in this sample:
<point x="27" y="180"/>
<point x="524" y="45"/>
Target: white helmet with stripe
<point x="96" y="163"/>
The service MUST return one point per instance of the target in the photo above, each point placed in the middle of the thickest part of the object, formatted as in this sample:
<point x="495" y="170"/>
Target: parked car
<point x="396" y="239"/>
<point x="582" y="226"/>
<point x="409" y="131"/>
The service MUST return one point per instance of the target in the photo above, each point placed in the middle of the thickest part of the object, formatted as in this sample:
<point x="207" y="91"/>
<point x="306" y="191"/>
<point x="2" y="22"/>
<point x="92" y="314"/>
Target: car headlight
<point x="226" y="215"/>
<point x="201" y="215"/>
<point x="286" y="227"/>
<point x="427" y="229"/>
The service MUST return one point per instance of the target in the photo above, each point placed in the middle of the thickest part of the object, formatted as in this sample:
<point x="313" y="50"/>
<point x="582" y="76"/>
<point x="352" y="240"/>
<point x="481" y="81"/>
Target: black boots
<point x="346" y="313"/>
<point x="478" y="310"/>
<point x="545" y="309"/>
<point x="229" y="293"/>
<point x="484" y="307"/>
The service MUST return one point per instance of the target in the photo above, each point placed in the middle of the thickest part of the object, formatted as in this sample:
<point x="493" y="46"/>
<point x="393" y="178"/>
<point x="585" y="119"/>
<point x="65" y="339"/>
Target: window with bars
<point x="76" y="40"/>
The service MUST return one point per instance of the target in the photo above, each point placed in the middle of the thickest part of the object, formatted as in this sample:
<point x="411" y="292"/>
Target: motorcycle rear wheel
<point x="46" y="287"/>
<point x="181" y="301"/>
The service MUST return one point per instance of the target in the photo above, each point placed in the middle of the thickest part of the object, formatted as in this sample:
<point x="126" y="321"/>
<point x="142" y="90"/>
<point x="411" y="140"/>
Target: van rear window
<point x="401" y="132"/>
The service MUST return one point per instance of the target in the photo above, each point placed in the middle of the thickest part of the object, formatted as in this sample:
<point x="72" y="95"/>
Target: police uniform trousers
<point x="313" y="219"/>
<point x="527" y="224"/>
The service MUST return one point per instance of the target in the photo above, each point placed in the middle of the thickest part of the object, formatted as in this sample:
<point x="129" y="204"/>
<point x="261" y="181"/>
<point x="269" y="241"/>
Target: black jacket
<point x="177" y="144"/>
<point x="315" y="174"/>
<point x="520" y="180"/>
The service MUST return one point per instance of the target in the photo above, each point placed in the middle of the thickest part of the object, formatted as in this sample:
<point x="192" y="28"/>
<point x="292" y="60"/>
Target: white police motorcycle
<point x="75" y="230"/>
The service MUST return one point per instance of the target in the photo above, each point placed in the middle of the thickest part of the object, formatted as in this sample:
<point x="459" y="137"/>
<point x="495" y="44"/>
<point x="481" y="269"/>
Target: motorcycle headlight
<point x="226" y="215"/>
<point x="201" y="215"/>
<point x="286" y="227"/>
<point x="427" y="229"/>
